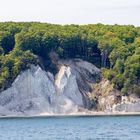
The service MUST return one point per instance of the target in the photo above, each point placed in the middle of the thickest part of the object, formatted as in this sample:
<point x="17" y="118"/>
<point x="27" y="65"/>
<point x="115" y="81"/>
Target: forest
<point x="113" y="48"/>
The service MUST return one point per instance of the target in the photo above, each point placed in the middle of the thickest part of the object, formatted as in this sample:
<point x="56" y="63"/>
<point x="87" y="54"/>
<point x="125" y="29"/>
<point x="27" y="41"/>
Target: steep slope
<point x="76" y="88"/>
<point x="36" y="91"/>
<point x="111" y="100"/>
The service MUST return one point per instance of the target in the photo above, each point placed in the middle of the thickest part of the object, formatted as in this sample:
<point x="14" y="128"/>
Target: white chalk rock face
<point x="36" y="91"/>
<point x="30" y="93"/>
<point x="66" y="85"/>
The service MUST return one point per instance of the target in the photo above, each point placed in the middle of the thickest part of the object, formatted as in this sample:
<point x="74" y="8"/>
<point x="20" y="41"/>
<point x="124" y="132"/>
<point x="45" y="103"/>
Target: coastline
<point x="95" y="114"/>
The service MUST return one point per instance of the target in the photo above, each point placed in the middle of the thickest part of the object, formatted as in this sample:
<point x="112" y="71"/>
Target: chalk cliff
<point x="36" y="91"/>
<point x="73" y="89"/>
<point x="111" y="100"/>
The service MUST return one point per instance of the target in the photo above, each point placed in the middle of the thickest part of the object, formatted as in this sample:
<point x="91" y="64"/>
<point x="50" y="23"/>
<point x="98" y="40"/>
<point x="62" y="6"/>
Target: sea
<point x="71" y="128"/>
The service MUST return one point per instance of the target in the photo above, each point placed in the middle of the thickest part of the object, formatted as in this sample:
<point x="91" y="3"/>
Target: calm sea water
<point x="71" y="128"/>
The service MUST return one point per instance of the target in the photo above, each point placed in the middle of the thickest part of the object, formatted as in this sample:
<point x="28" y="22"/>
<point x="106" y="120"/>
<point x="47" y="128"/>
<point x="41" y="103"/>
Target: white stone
<point x="36" y="91"/>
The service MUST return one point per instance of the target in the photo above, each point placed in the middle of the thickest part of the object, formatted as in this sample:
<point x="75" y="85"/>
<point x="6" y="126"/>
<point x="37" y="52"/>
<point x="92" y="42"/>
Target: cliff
<point x="111" y="100"/>
<point x="36" y="91"/>
<point x="75" y="88"/>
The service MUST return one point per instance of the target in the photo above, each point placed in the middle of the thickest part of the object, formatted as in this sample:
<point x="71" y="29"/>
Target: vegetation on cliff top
<point x="114" y="48"/>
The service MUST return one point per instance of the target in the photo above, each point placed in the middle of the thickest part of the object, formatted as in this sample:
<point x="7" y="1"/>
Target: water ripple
<point x="67" y="128"/>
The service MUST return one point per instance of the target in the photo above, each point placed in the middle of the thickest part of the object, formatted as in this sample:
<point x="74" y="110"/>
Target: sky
<point x="72" y="11"/>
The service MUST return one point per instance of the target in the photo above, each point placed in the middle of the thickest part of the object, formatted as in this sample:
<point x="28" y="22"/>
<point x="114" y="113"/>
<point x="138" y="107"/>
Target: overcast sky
<point x="72" y="11"/>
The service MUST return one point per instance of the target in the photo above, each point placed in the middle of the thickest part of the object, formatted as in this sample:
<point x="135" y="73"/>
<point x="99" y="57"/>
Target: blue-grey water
<point x="71" y="128"/>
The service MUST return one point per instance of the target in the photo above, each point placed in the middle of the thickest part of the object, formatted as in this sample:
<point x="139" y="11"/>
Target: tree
<point x="7" y="41"/>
